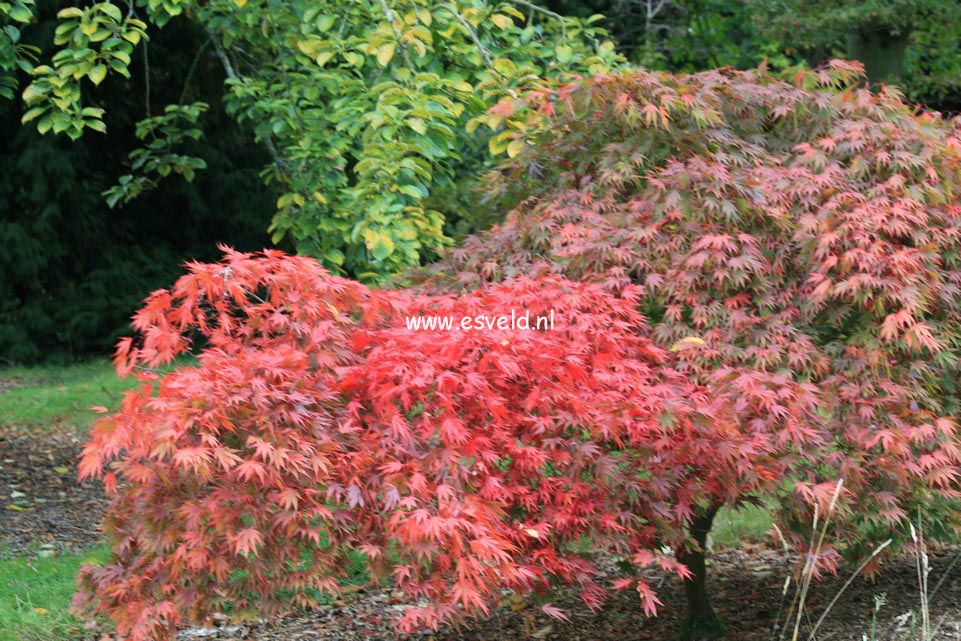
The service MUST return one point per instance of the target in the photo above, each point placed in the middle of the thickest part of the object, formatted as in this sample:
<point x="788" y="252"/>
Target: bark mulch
<point x="43" y="509"/>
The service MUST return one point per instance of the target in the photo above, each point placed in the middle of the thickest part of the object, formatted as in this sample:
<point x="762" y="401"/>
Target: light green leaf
<point x="20" y="13"/>
<point x="97" y="74"/>
<point x="111" y="10"/>
<point x="385" y="53"/>
<point x="32" y="113"/>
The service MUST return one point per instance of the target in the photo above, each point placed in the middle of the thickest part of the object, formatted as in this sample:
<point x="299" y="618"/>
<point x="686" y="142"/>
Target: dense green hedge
<point x="72" y="270"/>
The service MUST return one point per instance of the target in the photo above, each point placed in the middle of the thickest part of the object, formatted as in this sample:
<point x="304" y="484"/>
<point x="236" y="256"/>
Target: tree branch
<point x="390" y="20"/>
<point x="222" y="54"/>
<point x="540" y="9"/>
<point x="193" y="68"/>
<point x="232" y="74"/>
<point x="485" y="54"/>
<point x="146" y="75"/>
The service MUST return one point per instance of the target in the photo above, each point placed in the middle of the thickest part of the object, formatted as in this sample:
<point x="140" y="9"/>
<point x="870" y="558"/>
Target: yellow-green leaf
<point x="502" y="21"/>
<point x="505" y="66"/>
<point x="97" y="74"/>
<point x="380" y="245"/>
<point x="417" y="125"/>
<point x="687" y="343"/>
<point x="515" y="147"/>
<point x="385" y="53"/>
<point x="498" y="144"/>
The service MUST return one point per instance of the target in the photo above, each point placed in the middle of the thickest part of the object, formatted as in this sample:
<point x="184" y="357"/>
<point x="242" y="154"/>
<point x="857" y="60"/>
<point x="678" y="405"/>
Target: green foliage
<point x="914" y="43"/>
<point x="13" y="54"/>
<point x="813" y="23"/>
<point x="158" y="158"/>
<point x="363" y="106"/>
<point x="93" y="40"/>
<point x="71" y="269"/>
<point x="684" y="35"/>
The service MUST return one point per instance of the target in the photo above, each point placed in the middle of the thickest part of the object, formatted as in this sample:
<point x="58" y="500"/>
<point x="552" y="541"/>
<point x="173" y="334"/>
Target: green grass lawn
<point x="35" y="594"/>
<point x="750" y="523"/>
<point x="46" y="395"/>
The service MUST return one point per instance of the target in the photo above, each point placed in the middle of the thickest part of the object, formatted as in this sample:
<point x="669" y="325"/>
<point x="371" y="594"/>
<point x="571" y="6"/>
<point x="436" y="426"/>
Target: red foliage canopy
<point x="804" y="228"/>
<point x="315" y="424"/>
<point x="793" y="244"/>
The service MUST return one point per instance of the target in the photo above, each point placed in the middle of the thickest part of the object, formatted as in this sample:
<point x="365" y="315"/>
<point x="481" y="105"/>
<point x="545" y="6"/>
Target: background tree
<point x="72" y="270"/>
<point x="912" y="43"/>
<point x="797" y="241"/>
<point x="363" y="106"/>
<point x="681" y="35"/>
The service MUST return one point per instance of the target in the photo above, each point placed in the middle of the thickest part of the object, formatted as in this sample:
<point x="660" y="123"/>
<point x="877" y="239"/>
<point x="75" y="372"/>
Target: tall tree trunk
<point x="882" y="53"/>
<point x="702" y="624"/>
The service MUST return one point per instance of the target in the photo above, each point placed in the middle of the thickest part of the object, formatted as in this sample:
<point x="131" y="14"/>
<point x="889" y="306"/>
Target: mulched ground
<point x="42" y="507"/>
<point x="44" y="510"/>
<point x="747" y="588"/>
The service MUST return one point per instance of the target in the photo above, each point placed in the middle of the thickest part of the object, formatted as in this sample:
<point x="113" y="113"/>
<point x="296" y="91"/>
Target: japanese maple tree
<point x="314" y="424"/>
<point x="796" y="238"/>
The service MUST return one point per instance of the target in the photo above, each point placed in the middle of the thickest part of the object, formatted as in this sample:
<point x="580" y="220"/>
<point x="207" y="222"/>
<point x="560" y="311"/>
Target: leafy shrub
<point x="316" y="424"/>
<point x="803" y="230"/>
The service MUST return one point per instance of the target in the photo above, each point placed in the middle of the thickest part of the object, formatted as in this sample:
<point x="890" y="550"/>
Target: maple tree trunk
<point x="702" y="624"/>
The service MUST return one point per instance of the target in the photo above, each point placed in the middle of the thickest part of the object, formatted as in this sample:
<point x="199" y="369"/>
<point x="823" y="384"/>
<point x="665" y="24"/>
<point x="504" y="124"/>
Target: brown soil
<point x="42" y="507"/>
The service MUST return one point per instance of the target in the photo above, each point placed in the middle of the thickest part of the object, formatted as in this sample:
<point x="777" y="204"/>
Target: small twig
<point x="534" y="7"/>
<point x="146" y="75"/>
<point x="109" y="394"/>
<point x="390" y="20"/>
<point x="470" y="32"/>
<point x="193" y="68"/>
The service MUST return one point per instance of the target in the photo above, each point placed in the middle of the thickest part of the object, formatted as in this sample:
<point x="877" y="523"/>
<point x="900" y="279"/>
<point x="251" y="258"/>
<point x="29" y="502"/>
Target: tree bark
<point x="702" y="624"/>
<point x="881" y="52"/>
